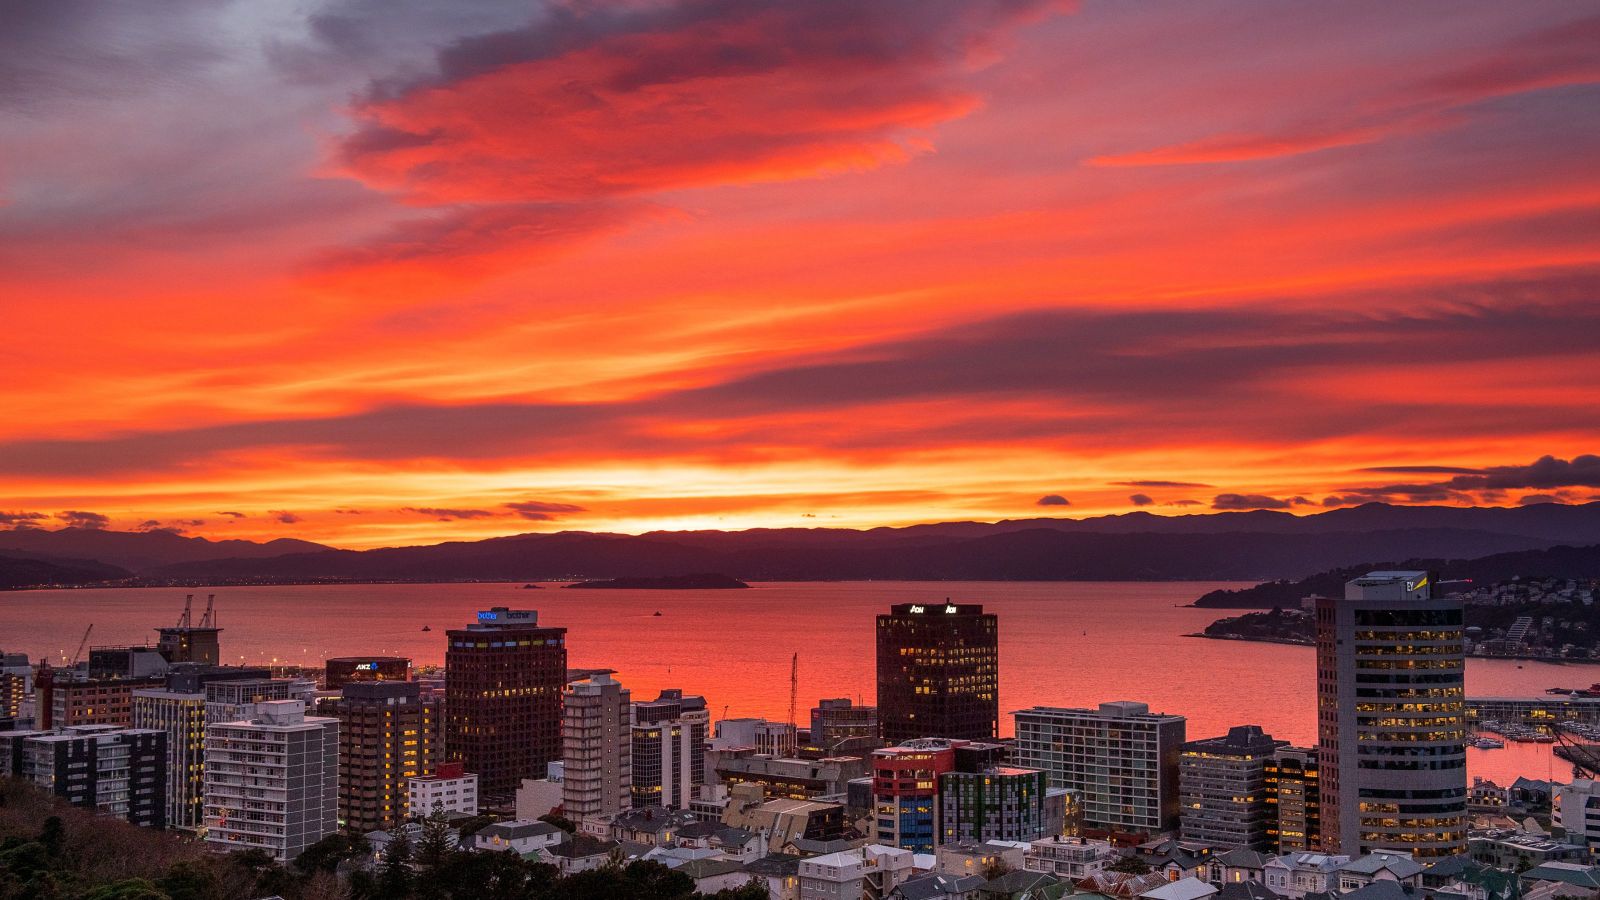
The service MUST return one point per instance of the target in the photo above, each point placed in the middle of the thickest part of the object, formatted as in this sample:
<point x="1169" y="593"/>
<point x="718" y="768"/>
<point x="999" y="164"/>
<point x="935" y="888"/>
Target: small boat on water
<point x="427" y="628"/>
<point x="656" y="613"/>
<point x="1489" y="743"/>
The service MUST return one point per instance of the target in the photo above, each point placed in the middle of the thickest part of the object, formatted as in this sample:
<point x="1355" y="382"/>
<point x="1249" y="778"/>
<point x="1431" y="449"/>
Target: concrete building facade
<point x="1120" y="759"/>
<point x="1391" y="718"/>
<point x="272" y="781"/>
<point x="597" y="749"/>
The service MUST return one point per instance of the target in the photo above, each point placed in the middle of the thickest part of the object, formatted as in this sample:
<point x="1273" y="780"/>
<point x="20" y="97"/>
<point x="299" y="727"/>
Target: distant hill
<point x="1560" y="562"/>
<point x="1233" y="546"/>
<point x="139" y="550"/>
<point x="698" y="582"/>
<point x="1038" y="554"/>
<point x="23" y="572"/>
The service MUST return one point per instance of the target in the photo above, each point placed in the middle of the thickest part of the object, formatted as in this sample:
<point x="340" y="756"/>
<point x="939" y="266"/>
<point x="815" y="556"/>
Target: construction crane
<point x="188" y="611"/>
<point x="81" y="644"/>
<point x="794" y="702"/>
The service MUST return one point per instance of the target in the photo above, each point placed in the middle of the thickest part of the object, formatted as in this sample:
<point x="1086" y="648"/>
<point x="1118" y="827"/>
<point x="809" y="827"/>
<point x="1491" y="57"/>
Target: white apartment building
<point x="870" y="871"/>
<point x="1121" y="759"/>
<point x="272" y="781"/>
<point x="449" y="790"/>
<point x="1067" y="858"/>
<point x="1578" y="811"/>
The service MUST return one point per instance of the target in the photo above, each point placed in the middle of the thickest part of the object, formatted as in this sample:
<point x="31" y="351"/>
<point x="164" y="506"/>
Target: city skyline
<point x="386" y="275"/>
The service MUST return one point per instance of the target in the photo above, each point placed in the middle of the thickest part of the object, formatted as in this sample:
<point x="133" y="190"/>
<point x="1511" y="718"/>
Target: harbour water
<point x="1061" y="643"/>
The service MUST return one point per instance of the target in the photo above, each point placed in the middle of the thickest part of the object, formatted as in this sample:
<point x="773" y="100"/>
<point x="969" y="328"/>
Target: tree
<point x="191" y="880"/>
<point x="326" y="854"/>
<point x="561" y="822"/>
<point x="53" y="835"/>
<point x="432" y="854"/>
<point x="1130" y="865"/>
<point x="474" y="825"/>
<point x="395" y="879"/>
<point x="129" y="889"/>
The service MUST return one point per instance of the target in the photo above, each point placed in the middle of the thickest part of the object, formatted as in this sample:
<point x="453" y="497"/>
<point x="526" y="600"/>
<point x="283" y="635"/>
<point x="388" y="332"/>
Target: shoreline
<point x="1551" y="660"/>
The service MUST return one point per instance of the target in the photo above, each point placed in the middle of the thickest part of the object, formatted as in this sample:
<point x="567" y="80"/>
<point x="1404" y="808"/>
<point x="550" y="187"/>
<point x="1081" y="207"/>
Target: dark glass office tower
<point x="503" y="681"/>
<point x="938" y="672"/>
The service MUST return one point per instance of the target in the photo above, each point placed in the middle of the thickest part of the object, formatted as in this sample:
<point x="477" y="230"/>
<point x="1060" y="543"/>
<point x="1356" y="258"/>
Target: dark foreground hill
<point x="1558" y="562"/>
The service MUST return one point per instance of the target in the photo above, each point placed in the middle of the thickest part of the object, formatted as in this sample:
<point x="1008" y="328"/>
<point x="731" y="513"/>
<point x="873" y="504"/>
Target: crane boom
<point x="794" y="698"/>
<point x="81" y="644"/>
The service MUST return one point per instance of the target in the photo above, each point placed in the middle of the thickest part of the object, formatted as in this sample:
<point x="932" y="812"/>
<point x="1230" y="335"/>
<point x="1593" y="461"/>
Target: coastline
<point x="1551" y="660"/>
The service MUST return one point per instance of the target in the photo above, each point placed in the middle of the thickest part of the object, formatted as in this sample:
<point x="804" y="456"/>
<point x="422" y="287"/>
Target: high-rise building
<point x="1223" y="789"/>
<point x="16" y="684"/>
<point x="341" y="670"/>
<point x="1390" y="718"/>
<point x="504" y="679"/>
<point x="938" y="672"/>
<point x="236" y="699"/>
<point x="1295" y="787"/>
<point x="838" y="727"/>
<point x="597" y="748"/>
<point x="179" y="708"/>
<point x="181" y="716"/>
<point x="272" y="781"/>
<point x="1120" y="759"/>
<point x="905" y="792"/>
<point x="119" y="771"/>
<point x="998" y="803"/>
<point x="387" y="736"/>
<point x="669" y="749"/>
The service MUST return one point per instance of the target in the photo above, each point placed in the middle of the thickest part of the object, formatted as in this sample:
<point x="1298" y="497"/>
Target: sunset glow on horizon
<point x="372" y="273"/>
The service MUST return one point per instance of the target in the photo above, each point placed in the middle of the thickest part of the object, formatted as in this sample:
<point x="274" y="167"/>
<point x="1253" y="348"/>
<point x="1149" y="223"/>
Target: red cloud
<point x="630" y="100"/>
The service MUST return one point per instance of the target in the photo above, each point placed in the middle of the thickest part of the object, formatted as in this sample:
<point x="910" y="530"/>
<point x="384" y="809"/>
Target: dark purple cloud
<point x="1255" y="501"/>
<point x="1162" y="484"/>
<point x="233" y="515"/>
<point x="284" y="517"/>
<point x="21" y="519"/>
<point x="1140" y="499"/>
<point x="1547" y="473"/>
<point x="1183" y="503"/>
<point x="446" y="515"/>
<point x="1052" y="500"/>
<point x="77" y="518"/>
<point x="1532" y="499"/>
<point x="541" y="510"/>
<point x="1170" y="375"/>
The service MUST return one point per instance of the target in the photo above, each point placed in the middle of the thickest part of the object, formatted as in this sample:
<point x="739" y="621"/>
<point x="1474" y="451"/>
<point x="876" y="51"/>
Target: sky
<point x="376" y="272"/>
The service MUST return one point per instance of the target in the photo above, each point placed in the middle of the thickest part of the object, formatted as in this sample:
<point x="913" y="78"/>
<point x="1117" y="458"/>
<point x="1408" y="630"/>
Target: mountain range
<point x="1257" y="546"/>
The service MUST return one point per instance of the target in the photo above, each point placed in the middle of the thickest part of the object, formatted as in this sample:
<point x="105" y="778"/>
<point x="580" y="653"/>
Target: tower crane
<point x="81" y="644"/>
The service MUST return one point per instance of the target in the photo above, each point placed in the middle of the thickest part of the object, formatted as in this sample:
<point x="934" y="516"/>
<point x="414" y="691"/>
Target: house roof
<point x="708" y="868"/>
<point x="581" y="846"/>
<point x="1380" y="890"/>
<point x="1018" y="880"/>
<point x="515" y="830"/>
<point x="1190" y="888"/>
<point x="1400" y="866"/>
<point x="1244" y="858"/>
<point x="1246" y="890"/>
<point x="936" y="885"/>
<point x="1566" y="873"/>
<point x="774" y="865"/>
